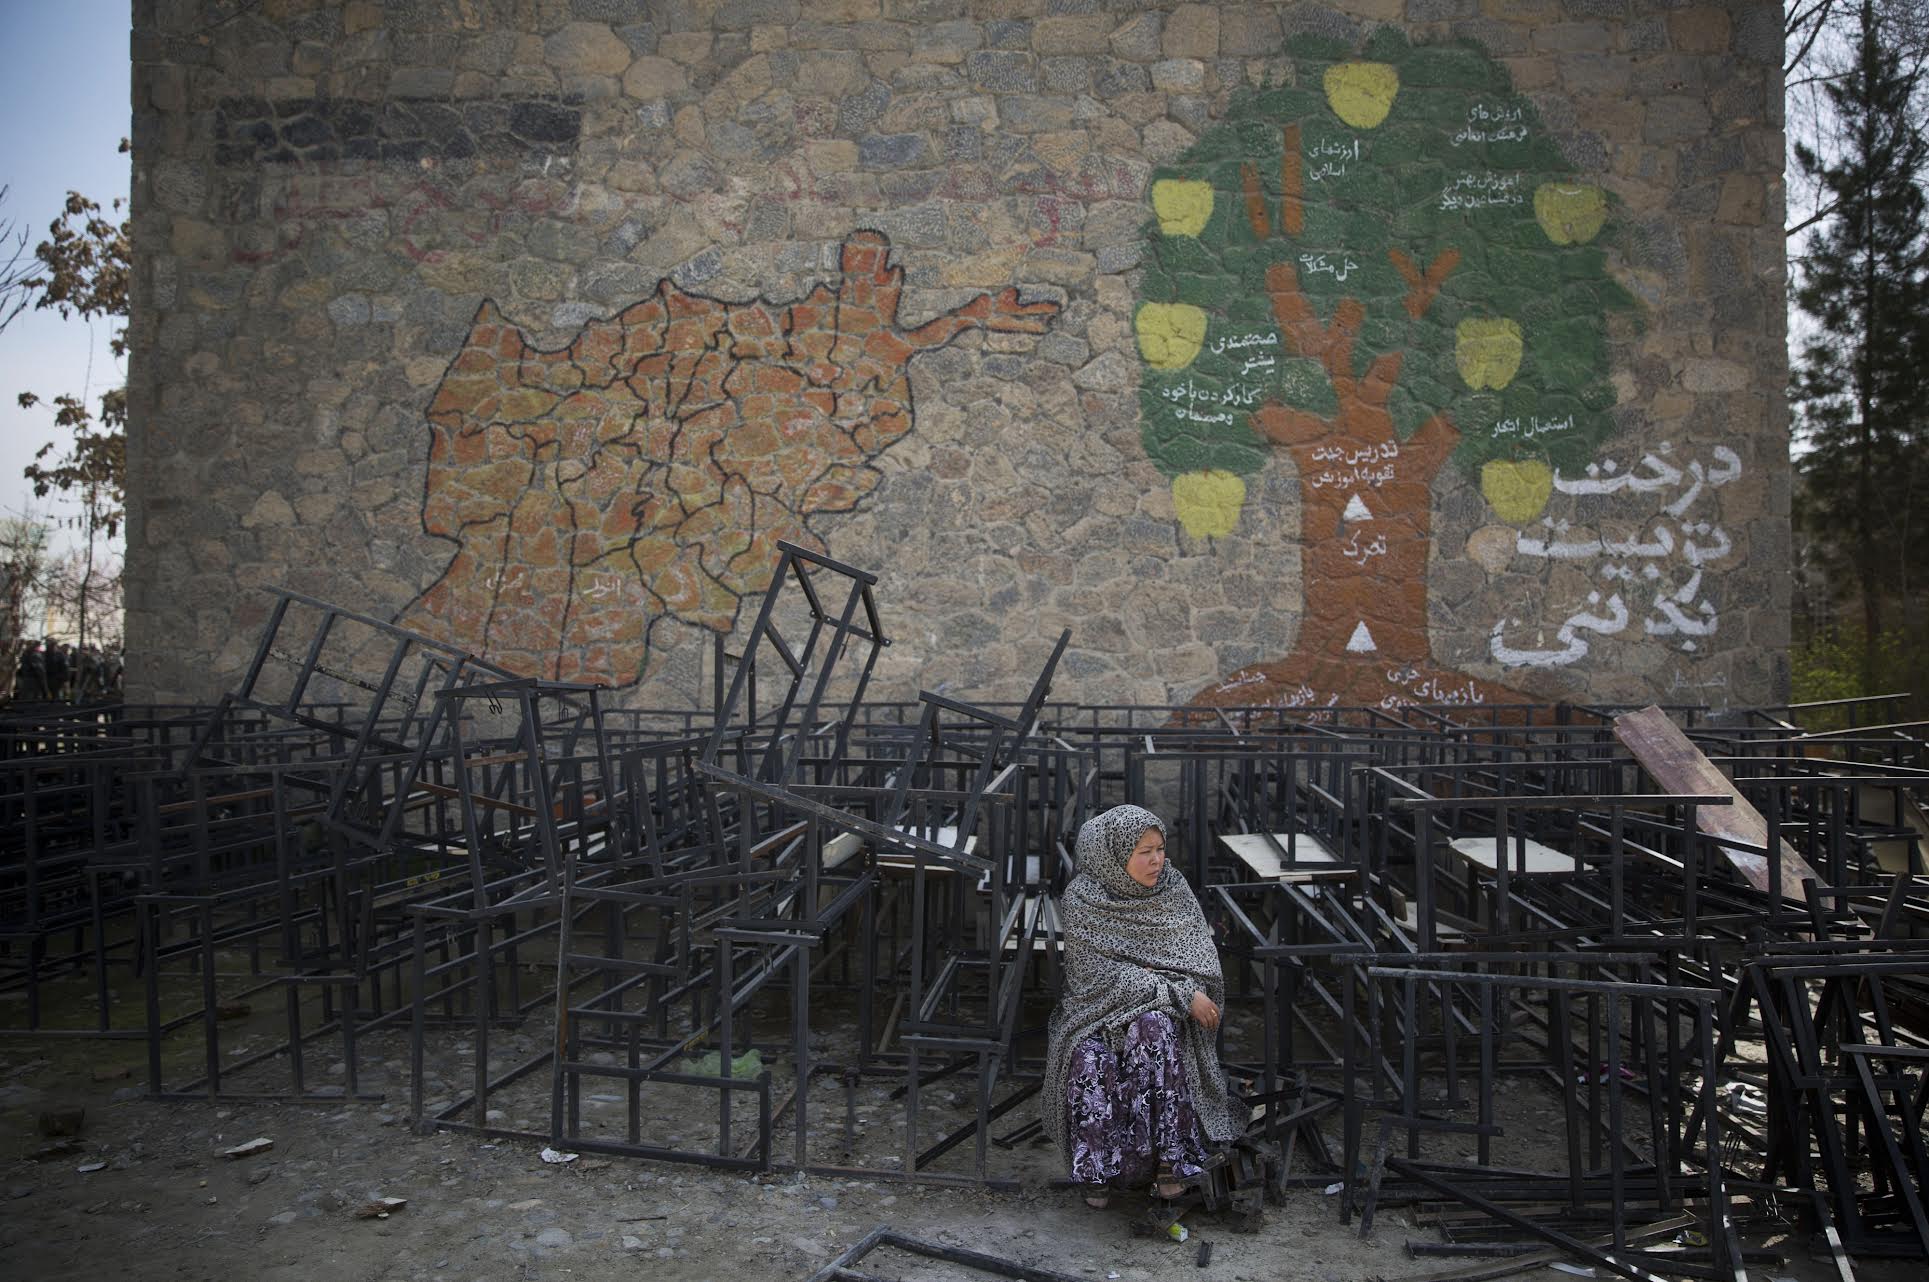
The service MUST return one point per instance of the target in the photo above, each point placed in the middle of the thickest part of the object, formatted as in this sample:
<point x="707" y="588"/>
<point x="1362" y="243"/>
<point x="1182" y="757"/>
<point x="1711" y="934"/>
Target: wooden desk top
<point x="844" y="845"/>
<point x="1541" y="860"/>
<point x="1267" y="864"/>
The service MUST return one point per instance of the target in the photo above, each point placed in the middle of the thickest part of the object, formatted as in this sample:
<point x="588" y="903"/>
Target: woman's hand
<point x="1204" y="1011"/>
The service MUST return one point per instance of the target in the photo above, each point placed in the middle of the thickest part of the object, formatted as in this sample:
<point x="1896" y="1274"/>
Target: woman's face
<point x="1148" y="858"/>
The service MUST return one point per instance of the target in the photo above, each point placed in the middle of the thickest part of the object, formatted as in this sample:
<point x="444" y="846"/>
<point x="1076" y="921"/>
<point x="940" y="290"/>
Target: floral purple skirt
<point x="1128" y="1114"/>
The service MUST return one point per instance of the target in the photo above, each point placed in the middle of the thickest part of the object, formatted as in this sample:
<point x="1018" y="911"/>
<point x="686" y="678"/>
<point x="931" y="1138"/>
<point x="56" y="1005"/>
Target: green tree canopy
<point x="1372" y="167"/>
<point x="1858" y="382"/>
<point x="83" y="271"/>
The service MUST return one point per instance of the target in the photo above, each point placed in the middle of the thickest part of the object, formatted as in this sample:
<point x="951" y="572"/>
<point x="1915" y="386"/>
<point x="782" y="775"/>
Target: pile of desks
<point x="1621" y="984"/>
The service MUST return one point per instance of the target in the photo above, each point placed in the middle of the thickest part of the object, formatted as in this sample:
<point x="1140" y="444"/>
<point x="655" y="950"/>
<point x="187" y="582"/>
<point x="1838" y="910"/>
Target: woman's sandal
<point x="1098" y="1201"/>
<point x="1167" y="1185"/>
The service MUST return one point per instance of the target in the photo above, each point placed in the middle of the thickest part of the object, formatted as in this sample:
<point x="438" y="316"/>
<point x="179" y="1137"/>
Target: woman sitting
<point x="1133" y="1089"/>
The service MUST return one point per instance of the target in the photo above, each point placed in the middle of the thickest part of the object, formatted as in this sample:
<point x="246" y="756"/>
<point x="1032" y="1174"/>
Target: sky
<point x="65" y="100"/>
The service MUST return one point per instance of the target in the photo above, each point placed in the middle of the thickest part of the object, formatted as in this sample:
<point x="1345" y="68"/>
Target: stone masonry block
<point x="1701" y="30"/>
<point x="1082" y="33"/>
<point x="1179" y="75"/>
<point x="1002" y="71"/>
<point x="1137" y="39"/>
<point x="1249" y="32"/>
<point x="587" y="49"/>
<point x="1575" y="37"/>
<point x="1191" y="31"/>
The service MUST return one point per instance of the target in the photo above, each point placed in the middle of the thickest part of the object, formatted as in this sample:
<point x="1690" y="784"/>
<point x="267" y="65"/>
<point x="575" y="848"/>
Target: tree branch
<point x="1820" y="12"/>
<point x="1330" y="345"/>
<point x="1812" y="219"/>
<point x="1422" y="287"/>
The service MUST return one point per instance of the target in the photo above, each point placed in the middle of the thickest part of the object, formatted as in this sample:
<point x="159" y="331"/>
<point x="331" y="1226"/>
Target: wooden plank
<point x="1540" y="859"/>
<point x="841" y="848"/>
<point x="1446" y="926"/>
<point x="1309" y="853"/>
<point x="1681" y="768"/>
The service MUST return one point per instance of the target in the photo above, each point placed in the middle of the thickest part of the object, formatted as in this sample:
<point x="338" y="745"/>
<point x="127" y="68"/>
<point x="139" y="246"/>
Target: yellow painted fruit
<point x="1208" y="502"/>
<point x="1487" y="350"/>
<point x="1361" y="93"/>
<point x="1516" y="491"/>
<point x="1169" y="334"/>
<point x="1183" y="206"/>
<point x="1570" y="213"/>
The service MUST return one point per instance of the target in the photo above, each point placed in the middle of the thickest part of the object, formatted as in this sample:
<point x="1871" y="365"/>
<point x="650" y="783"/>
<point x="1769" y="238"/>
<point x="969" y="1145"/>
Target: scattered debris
<point x="260" y="1144"/>
<point x="88" y="1168"/>
<point x="380" y="1208"/>
<point x="556" y="1157"/>
<point x="745" y="1066"/>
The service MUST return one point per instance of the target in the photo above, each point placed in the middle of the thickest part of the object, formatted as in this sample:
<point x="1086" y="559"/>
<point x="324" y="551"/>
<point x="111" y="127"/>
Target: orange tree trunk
<point x="1367" y="526"/>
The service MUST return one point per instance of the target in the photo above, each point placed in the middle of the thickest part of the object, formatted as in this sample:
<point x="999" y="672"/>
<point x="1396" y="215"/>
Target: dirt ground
<point x="146" y="1191"/>
<point x="166" y="1204"/>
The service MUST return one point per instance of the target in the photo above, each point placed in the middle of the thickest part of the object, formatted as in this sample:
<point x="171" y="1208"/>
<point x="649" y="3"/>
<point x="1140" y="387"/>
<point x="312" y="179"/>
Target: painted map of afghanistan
<point x="647" y="470"/>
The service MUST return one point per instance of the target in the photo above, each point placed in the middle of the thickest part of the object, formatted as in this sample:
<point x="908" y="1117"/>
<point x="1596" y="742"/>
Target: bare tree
<point x="82" y="588"/>
<point x="1819" y="37"/>
<point x="16" y="268"/>
<point x="26" y="566"/>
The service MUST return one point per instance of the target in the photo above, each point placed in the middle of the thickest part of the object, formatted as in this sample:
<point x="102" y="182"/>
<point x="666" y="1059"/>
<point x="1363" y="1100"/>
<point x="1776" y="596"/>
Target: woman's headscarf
<point x="1130" y="949"/>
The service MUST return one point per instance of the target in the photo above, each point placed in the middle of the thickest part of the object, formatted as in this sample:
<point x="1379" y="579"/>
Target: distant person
<point x="30" y="675"/>
<point x="57" y="670"/>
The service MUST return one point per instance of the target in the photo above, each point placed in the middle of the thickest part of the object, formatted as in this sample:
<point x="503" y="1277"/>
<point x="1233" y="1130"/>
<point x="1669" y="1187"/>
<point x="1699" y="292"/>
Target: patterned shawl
<point x="1130" y="949"/>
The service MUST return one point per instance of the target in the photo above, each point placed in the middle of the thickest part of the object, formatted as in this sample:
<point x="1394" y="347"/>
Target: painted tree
<point x="1382" y="266"/>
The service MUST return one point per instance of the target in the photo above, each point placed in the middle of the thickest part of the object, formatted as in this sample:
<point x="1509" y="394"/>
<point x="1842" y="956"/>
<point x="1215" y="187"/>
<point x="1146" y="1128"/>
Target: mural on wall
<point x="645" y="471"/>
<point x="1383" y="266"/>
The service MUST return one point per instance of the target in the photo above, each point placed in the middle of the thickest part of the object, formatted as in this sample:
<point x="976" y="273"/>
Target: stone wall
<point x="1381" y="351"/>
